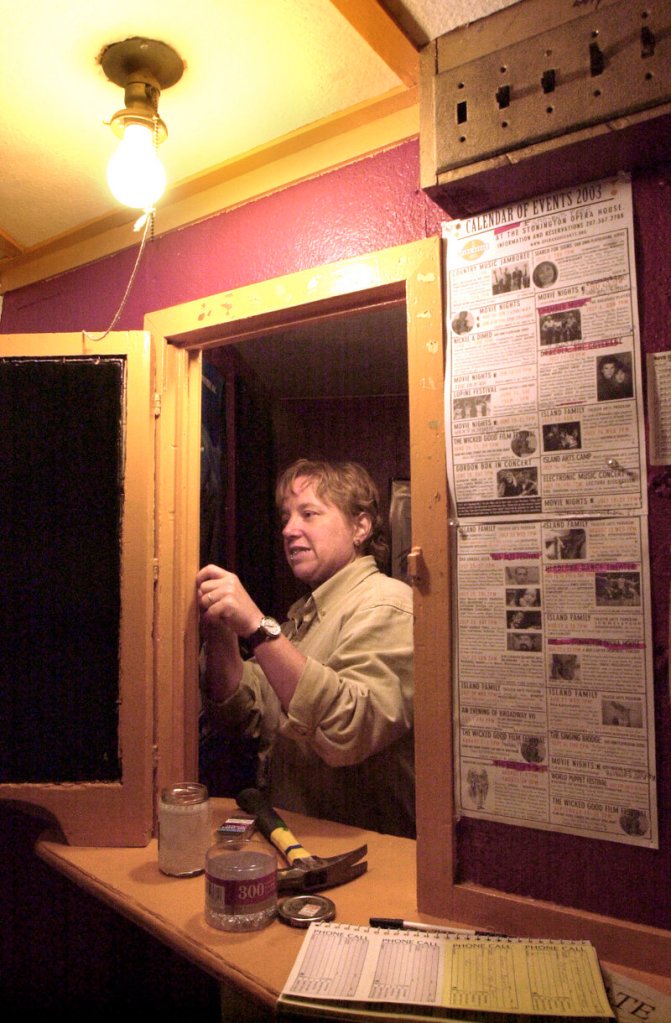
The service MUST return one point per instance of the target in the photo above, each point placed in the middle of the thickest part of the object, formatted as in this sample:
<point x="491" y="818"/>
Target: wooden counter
<point x="256" y="964"/>
<point x="251" y="967"/>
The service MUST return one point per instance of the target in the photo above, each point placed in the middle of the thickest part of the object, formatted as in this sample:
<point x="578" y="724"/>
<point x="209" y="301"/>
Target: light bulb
<point x="135" y="174"/>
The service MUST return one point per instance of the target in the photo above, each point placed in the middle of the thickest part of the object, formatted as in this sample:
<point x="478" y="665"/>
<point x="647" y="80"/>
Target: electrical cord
<point x="146" y="221"/>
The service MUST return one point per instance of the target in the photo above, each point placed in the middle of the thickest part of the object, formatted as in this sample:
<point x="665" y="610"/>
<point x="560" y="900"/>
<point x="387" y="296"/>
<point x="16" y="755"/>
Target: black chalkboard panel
<point x="61" y="493"/>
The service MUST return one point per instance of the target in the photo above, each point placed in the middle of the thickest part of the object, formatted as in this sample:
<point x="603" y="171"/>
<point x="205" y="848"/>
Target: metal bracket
<point x="415" y="562"/>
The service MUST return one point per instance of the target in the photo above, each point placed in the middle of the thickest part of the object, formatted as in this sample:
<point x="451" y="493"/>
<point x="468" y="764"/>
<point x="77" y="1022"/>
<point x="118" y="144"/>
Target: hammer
<point x="306" y="873"/>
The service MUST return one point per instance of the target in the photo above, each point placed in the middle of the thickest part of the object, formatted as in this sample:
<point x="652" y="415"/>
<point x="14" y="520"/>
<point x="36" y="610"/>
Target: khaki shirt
<point x="344" y="749"/>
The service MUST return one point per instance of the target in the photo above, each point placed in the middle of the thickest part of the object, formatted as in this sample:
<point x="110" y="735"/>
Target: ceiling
<point x="258" y="74"/>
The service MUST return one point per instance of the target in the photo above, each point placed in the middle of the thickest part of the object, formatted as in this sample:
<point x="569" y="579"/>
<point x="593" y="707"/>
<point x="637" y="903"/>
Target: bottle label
<point x="240" y="897"/>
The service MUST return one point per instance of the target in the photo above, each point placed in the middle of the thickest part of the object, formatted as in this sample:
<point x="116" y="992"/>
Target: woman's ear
<point x="363" y="525"/>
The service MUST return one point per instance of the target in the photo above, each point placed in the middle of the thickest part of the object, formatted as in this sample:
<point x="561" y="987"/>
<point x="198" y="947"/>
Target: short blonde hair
<point x="350" y="488"/>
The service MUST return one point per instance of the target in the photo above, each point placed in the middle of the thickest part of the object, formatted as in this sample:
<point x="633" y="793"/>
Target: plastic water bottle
<point x="240" y="886"/>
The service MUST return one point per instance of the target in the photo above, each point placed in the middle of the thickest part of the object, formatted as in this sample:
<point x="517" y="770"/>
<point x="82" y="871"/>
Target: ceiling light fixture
<point x="143" y="68"/>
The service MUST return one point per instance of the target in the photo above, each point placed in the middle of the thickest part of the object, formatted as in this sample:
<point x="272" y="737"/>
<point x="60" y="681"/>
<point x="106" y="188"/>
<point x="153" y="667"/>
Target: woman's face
<point x="545" y="274"/>
<point x="318" y="537"/>
<point x="528" y="598"/>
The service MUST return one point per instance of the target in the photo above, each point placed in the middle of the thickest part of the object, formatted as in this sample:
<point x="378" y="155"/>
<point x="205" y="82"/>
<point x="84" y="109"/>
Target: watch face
<point x="271" y="628"/>
<point x="268" y="629"/>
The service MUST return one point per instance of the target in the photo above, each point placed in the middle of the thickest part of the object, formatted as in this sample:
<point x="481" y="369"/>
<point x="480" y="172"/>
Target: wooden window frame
<point x="411" y="274"/>
<point x="114" y="813"/>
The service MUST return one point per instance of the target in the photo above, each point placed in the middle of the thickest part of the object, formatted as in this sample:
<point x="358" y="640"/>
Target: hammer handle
<point x="271" y="825"/>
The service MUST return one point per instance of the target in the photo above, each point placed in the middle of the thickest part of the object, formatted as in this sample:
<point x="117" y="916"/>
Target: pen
<point x="394" y="923"/>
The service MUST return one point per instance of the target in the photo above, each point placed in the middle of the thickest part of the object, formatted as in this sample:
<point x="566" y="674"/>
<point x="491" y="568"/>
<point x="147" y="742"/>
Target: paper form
<point x="407" y="972"/>
<point x="346" y="963"/>
<point x="362" y="964"/>
<point x="332" y="965"/>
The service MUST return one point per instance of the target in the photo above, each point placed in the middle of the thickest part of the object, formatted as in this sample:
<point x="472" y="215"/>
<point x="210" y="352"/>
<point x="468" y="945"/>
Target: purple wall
<point x="370" y="205"/>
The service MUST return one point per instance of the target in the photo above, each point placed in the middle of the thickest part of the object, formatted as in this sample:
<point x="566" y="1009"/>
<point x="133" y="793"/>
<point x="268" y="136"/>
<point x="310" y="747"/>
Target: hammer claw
<point x="314" y="879"/>
<point x="340" y="860"/>
<point x="306" y="873"/>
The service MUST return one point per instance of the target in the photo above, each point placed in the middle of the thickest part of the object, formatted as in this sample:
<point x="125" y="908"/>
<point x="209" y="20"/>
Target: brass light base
<point x="143" y="68"/>
<point x="121" y="61"/>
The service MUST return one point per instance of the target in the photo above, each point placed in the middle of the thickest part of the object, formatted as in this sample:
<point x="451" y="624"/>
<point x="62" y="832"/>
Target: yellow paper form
<point x="531" y="977"/>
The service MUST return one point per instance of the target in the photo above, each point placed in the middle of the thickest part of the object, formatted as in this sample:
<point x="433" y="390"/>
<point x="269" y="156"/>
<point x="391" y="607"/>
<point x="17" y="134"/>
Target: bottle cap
<point x="303" y="910"/>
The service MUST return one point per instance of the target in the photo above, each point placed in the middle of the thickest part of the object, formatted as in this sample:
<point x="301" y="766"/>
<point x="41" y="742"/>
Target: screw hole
<point x="504" y="124"/>
<point x="460" y="86"/>
<point x="462" y="138"/>
<point x="503" y="69"/>
<point x="597" y="93"/>
<point x="549" y="110"/>
<point x="648" y="76"/>
<point x="595" y="33"/>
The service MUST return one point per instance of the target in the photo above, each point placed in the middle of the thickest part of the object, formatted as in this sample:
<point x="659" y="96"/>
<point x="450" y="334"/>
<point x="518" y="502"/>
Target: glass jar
<point x="240" y="885"/>
<point x="184" y="829"/>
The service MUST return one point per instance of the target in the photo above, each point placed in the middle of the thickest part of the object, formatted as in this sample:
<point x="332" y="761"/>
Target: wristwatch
<point x="268" y="629"/>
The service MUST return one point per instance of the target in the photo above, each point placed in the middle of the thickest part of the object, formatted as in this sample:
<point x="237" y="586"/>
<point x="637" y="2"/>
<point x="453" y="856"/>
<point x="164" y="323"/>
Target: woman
<point x="328" y="694"/>
<point x="545" y="274"/>
<point x="529" y="597"/>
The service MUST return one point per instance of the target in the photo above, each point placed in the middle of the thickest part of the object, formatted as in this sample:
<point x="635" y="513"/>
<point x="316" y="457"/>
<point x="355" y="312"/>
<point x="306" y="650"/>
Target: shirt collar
<point x="342" y="582"/>
<point x="333" y="589"/>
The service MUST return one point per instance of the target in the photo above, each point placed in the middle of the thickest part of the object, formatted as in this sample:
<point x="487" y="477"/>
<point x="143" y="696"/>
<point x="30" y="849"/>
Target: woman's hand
<point x="223" y="600"/>
<point x="228" y="611"/>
